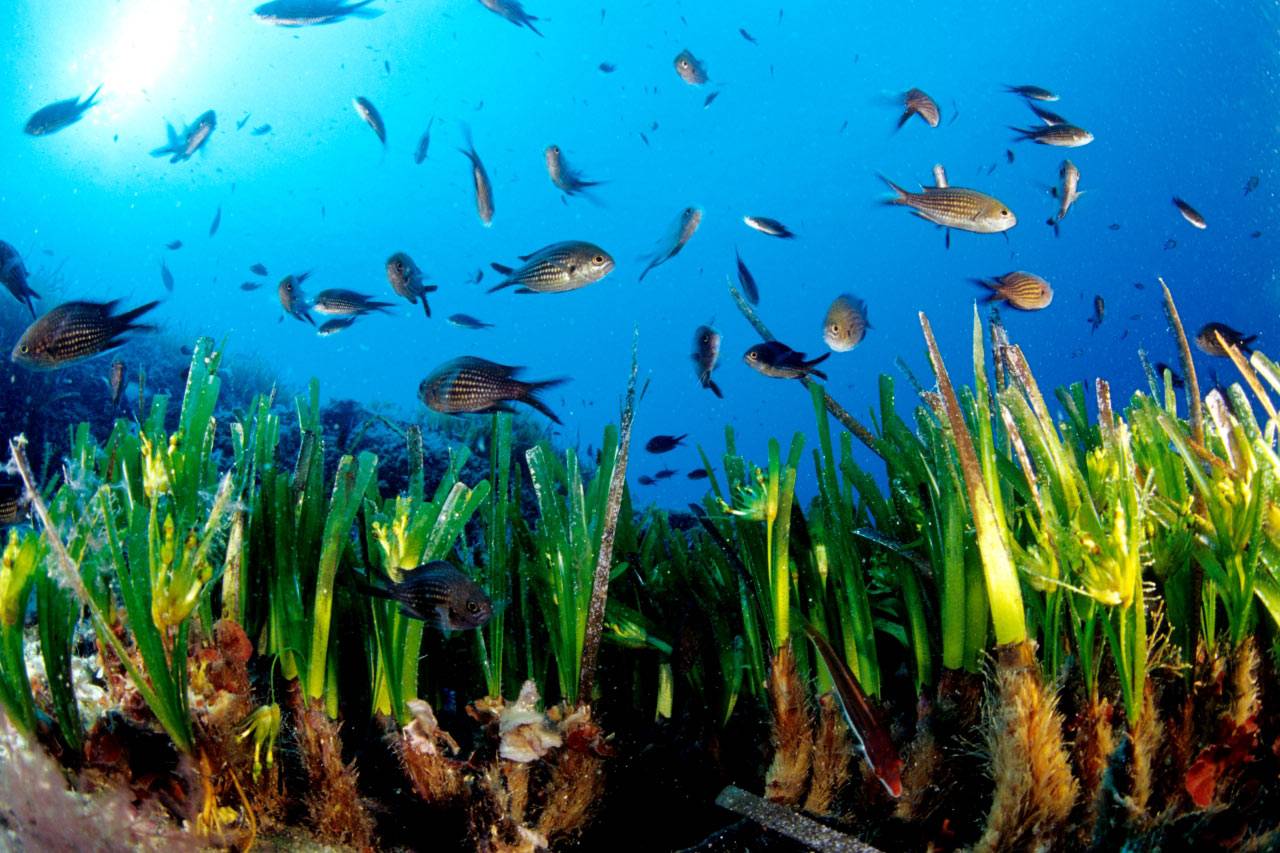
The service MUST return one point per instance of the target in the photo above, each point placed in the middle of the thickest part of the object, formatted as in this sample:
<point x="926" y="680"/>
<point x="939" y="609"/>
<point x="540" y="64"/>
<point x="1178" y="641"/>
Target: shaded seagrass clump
<point x="1034" y="788"/>
<point x="335" y="810"/>
<point x="832" y="759"/>
<point x="426" y="753"/>
<point x="792" y="732"/>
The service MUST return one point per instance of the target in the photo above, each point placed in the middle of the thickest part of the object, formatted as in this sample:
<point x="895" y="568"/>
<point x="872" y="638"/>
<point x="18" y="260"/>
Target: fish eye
<point x="26" y="349"/>
<point x="753" y="355"/>
<point x="684" y="63"/>
<point x="472" y="607"/>
<point x="1004" y="212"/>
<point x="598" y="260"/>
<point x="835" y="327"/>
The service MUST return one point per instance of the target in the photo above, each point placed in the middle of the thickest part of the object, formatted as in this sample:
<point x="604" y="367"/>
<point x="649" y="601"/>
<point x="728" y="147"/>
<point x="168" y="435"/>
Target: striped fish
<point x="12" y="506"/>
<point x="471" y="384"/>
<point x="557" y="268"/>
<point x="347" y="303"/>
<point x="1022" y="290"/>
<point x="439" y="594"/>
<point x="1058" y="135"/>
<point x="1190" y="214"/>
<point x="75" y="331"/>
<point x="956" y="207"/>
<point x="917" y="103"/>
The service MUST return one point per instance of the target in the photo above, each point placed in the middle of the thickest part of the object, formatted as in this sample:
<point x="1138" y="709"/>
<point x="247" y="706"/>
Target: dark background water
<point x="1181" y="97"/>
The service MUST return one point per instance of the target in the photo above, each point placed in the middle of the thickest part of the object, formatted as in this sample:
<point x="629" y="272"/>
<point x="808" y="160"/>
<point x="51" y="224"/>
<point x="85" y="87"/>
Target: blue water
<point x="1181" y="97"/>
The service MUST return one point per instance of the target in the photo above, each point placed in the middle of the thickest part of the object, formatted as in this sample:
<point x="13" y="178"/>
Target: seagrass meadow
<point x="1042" y="620"/>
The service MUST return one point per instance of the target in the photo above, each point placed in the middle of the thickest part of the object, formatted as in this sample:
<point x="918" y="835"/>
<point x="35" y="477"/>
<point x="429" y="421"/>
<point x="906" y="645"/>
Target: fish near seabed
<point x="471" y="385"/>
<point x="513" y="11"/>
<point x="557" y="268"/>
<point x="955" y="207"/>
<point x="680" y="232"/>
<point x="406" y="280"/>
<point x="706" y="353"/>
<point x="75" y="331"/>
<point x="309" y="13"/>
<point x="438" y="594"/>
<point x="192" y="139"/>
<point x="13" y="275"/>
<point x="59" y="115"/>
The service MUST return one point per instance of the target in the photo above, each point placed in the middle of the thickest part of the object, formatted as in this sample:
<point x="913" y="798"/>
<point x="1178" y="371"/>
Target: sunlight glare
<point x="142" y="48"/>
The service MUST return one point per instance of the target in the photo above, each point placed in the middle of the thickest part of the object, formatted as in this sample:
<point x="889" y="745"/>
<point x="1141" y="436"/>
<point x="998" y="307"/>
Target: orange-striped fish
<point x="1067" y="193"/>
<point x="956" y="207"/>
<point x="1022" y="290"/>
<point x="916" y="102"/>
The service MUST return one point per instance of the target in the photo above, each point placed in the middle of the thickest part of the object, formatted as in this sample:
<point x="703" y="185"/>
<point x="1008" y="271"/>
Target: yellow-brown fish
<point x="846" y="323"/>
<point x="406" y="280"/>
<point x="1190" y="214"/>
<point x="1022" y="290"/>
<point x="471" y="384"/>
<point x="1207" y="339"/>
<point x="917" y="103"/>
<point x="557" y="268"/>
<point x="75" y="331"/>
<point x="13" y="505"/>
<point x="677" y="236"/>
<point x="956" y="207"/>
<point x="484" y="189"/>
<point x="1058" y="135"/>
<point x="690" y="69"/>
<point x="1065" y="194"/>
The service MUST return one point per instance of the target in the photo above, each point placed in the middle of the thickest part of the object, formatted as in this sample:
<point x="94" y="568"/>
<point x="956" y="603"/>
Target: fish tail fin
<point x="714" y="388"/>
<point x="1246" y="343"/>
<point x="426" y="306"/>
<point x="1023" y="133"/>
<point x="1057" y="232"/>
<point x="359" y="10"/>
<point x="501" y="269"/>
<point x="529" y="395"/>
<point x="89" y="101"/>
<point x="500" y="285"/>
<point x="901" y="194"/>
<point x="906" y="115"/>
<point x="124" y="322"/>
<point x="992" y="294"/>
<point x="812" y="362"/>
<point x="526" y="22"/>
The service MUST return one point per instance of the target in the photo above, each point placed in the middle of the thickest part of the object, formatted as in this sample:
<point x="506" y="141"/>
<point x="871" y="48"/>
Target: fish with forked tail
<point x="779" y="361"/>
<point x="75" y="331"/>
<point x="437" y="593"/>
<point x="470" y="385"/>
<point x="706" y="352"/>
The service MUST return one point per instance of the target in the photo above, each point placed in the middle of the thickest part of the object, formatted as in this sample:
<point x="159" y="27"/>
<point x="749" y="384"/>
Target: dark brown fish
<point x="173" y="245"/>
<point x="59" y="115"/>
<point x="424" y="143"/>
<point x="1161" y="368"/>
<point x="1190" y="214"/>
<point x="1022" y="290"/>
<point x="13" y="505"/>
<point x="690" y="69"/>
<point x="337" y="324"/>
<point x="665" y="474"/>
<point x="779" y="361"/>
<point x="13" y="275"/>
<point x="466" y="321"/>
<point x="258" y="269"/>
<point x="166" y="277"/>
<point x="706" y="353"/>
<point x="698" y="474"/>
<point x="664" y="443"/>
<point x="471" y="384"/>
<point x="1207" y="340"/>
<point x="607" y="67"/>
<point x="75" y="331"/>
<point x="645" y="480"/>
<point x="217" y="221"/>
<point x="917" y="103"/>
<point x="1099" y="313"/>
<point x="260" y="130"/>
<point x="406" y="280"/>
<point x="1049" y="118"/>
<point x="248" y="286"/>
<point x="291" y="298"/>
<point x="747" y="280"/>
<point x="439" y="594"/>
<point x="337" y="302"/>
<point x="1251" y="185"/>
<point x="116" y="382"/>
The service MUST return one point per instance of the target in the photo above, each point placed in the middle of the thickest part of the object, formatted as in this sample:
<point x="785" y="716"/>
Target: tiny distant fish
<point x="304" y="13"/>
<point x="258" y="269"/>
<point x="607" y="67"/>
<point x="406" y="280"/>
<point x="439" y="595"/>
<point x="1114" y="226"/>
<point x="690" y="68"/>
<point x="13" y="275"/>
<point x="1139" y="286"/>
<point x="664" y="443"/>
<point x="386" y="65"/>
<point x="181" y="146"/>
<point x="779" y="361"/>
<point x="261" y="130"/>
<point x="706" y="353"/>
<point x="250" y="285"/>
<point x="1034" y="93"/>
<point x="292" y="300"/>
<point x="1190" y="214"/>
<point x="476" y="277"/>
<point x="469" y="384"/>
<point x="698" y="474"/>
<point x="59" y="115"/>
<point x="665" y="474"/>
<point x="1049" y="118"/>
<point x="746" y="35"/>
<point x="242" y="122"/>
<point x="1099" y="312"/>
<point x="1067" y="194"/>
<point x="680" y="232"/>
<point x="644" y="138"/>
<point x="747" y="280"/>
<point x="480" y="178"/>
<point x="513" y="11"/>
<point x="1008" y="155"/>
<point x="337" y="302"/>
<point x="846" y="323"/>
<point x="1022" y="290"/>
<point x="337" y="324"/>
<point x="1161" y="368"/>
<point x="466" y="321"/>
<point x="645" y="480"/>
<point x="1170" y="244"/>
<point x="166" y="277"/>
<point x="217" y="220"/>
<point x="1256" y="234"/>
<point x="116" y="382"/>
<point x="75" y="331"/>
<point x="711" y="97"/>
<point x="557" y="268"/>
<point x="1207" y="340"/>
<point x="567" y="179"/>
<point x="1251" y="185"/>
<point x="370" y="115"/>
<point x="420" y="153"/>
<point x="916" y="102"/>
<point x="771" y="227"/>
<point x="1058" y="135"/>
<point x="173" y="246"/>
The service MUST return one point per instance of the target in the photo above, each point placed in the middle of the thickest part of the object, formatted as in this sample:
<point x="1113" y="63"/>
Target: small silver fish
<point x="466" y="321"/>
<point x="182" y="146"/>
<point x="749" y="288"/>
<point x="1058" y="135"/>
<point x="680" y="232"/>
<point x="484" y="189"/>
<point x="1034" y="93"/>
<point x="166" y="277"/>
<point x="1190" y="214"/>
<point x="771" y="227"/>
<point x="513" y="11"/>
<point x="337" y="302"/>
<point x="337" y="324"/>
<point x="369" y="113"/>
<point x="1067" y="193"/>
<point x="568" y="180"/>
<point x="420" y="153"/>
